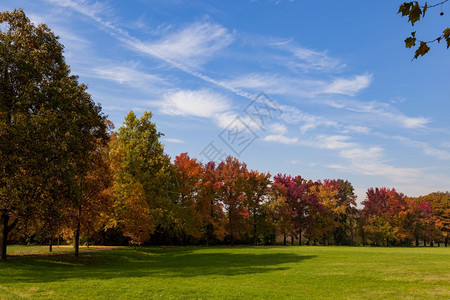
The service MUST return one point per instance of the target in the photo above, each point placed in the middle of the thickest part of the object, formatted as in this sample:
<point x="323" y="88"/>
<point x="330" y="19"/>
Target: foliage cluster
<point x="415" y="12"/>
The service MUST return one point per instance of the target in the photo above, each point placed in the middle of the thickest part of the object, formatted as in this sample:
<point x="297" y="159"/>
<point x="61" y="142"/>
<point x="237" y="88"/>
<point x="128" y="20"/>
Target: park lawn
<point x="232" y="273"/>
<point x="22" y="250"/>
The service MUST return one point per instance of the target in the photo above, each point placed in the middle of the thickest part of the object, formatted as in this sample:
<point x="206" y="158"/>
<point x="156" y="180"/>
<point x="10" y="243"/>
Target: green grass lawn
<point x="19" y="250"/>
<point x="232" y="273"/>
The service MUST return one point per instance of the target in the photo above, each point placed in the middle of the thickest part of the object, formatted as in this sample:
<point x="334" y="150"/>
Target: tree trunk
<point x="432" y="244"/>
<point x="300" y="237"/>
<point x="424" y="243"/>
<point x="417" y="241"/>
<point x="255" y="242"/>
<point x="352" y="234"/>
<point x="387" y="242"/>
<point x="284" y="239"/>
<point x="230" y="221"/>
<point x="77" y="233"/>
<point x="446" y="241"/>
<point x="50" y="245"/>
<point x="292" y="240"/>
<point x="4" y="218"/>
<point x="363" y="237"/>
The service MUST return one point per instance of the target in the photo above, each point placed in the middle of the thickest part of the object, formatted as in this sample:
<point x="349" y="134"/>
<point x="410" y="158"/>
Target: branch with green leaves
<point x="415" y="12"/>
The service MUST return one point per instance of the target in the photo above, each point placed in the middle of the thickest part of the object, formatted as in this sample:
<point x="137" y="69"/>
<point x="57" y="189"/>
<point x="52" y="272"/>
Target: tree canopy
<point x="48" y="123"/>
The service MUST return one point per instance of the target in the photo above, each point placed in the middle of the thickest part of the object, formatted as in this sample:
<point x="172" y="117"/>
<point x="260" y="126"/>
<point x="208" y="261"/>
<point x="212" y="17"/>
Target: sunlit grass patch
<point x="232" y="273"/>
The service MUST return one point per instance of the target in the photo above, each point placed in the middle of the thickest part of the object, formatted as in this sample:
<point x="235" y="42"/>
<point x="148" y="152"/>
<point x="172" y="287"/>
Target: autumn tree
<point x="440" y="204"/>
<point x="97" y="192"/>
<point x="256" y="188"/>
<point x="279" y="212"/>
<point x="325" y="217"/>
<point x="188" y="213"/>
<point x="300" y="200"/>
<point x="418" y="221"/>
<point x="209" y="205"/>
<point x="231" y="175"/>
<point x="344" y="208"/>
<point x="382" y="208"/>
<point x="48" y="122"/>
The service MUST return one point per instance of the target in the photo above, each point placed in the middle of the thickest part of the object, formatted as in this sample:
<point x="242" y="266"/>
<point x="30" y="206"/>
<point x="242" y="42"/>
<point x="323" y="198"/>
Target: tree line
<point x="66" y="174"/>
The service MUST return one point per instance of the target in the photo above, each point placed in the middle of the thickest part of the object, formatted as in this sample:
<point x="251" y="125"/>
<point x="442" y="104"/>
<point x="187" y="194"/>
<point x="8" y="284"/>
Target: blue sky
<point x="341" y="96"/>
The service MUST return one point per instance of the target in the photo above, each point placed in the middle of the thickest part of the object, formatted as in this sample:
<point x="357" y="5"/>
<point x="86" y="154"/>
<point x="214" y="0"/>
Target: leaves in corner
<point x="447" y="36"/>
<point x="410" y="42"/>
<point x="415" y="13"/>
<point x="422" y="50"/>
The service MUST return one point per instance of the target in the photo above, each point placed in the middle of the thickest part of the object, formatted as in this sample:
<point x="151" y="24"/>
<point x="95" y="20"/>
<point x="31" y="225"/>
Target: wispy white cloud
<point x="425" y="147"/>
<point x="279" y="138"/>
<point x="190" y="46"/>
<point x="349" y="86"/>
<point x="278" y="128"/>
<point x="276" y="84"/>
<point x="85" y="7"/>
<point x="334" y="141"/>
<point x="173" y="140"/>
<point x="278" y="134"/>
<point x="198" y="103"/>
<point x="306" y="59"/>
<point x="292" y="115"/>
<point x="356" y="129"/>
<point x="379" y="111"/>
<point x="127" y="75"/>
<point x="369" y="161"/>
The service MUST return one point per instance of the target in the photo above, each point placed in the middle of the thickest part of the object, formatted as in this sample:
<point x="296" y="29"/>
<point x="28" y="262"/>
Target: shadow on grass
<point x="145" y="262"/>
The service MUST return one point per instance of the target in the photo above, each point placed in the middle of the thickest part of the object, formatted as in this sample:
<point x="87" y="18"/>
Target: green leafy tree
<point x="48" y="122"/>
<point x="138" y="160"/>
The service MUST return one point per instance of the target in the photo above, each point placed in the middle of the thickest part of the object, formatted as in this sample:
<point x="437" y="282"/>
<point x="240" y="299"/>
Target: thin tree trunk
<point x="417" y="241"/>
<point x="254" y="231"/>
<point x="230" y="221"/>
<point x="4" y="218"/>
<point x="77" y="233"/>
<point x="363" y="237"/>
<point x="300" y="237"/>
<point x="292" y="240"/>
<point x="352" y="234"/>
<point x="284" y="239"/>
<point x="50" y="245"/>
<point x="446" y="241"/>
